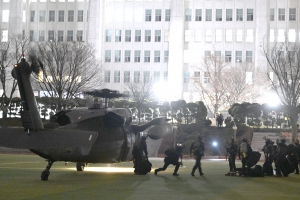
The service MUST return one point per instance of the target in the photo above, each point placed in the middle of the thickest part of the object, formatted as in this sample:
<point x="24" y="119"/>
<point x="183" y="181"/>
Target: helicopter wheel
<point x="44" y="176"/>
<point x="80" y="167"/>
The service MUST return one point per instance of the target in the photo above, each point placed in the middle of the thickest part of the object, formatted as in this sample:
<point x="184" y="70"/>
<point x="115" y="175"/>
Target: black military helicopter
<point x="95" y="135"/>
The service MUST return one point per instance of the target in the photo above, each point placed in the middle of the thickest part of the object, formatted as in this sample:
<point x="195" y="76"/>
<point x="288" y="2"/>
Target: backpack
<point x="244" y="147"/>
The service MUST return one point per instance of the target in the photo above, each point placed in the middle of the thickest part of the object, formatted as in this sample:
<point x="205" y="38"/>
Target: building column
<point x="95" y="25"/>
<point x="15" y="18"/>
<point x="176" y="49"/>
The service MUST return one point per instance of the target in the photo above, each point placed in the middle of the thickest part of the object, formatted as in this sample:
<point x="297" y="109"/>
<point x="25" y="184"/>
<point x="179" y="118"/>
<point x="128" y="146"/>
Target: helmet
<point x="244" y="140"/>
<point x="199" y="137"/>
<point x="283" y="140"/>
<point x="268" y="141"/>
<point x="179" y="146"/>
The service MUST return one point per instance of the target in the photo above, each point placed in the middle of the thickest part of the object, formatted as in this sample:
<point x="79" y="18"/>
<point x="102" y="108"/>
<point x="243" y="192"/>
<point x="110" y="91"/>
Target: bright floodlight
<point x="215" y="144"/>
<point x="162" y="92"/>
<point x="272" y="99"/>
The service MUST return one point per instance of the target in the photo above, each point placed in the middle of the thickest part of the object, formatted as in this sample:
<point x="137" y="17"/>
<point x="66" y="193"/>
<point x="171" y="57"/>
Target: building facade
<point x="158" y="39"/>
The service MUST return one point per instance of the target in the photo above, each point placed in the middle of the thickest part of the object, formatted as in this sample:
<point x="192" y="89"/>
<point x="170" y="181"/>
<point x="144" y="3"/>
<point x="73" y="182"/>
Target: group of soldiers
<point x="286" y="157"/>
<point x="173" y="156"/>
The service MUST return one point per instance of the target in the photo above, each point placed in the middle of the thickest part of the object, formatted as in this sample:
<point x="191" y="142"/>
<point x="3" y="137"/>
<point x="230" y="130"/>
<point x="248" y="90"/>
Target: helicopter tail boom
<point x="46" y="139"/>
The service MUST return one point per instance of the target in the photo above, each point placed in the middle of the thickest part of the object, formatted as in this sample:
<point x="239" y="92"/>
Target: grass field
<point x="20" y="179"/>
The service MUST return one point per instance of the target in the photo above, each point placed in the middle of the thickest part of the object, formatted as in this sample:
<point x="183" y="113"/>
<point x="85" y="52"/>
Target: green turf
<point x="20" y="179"/>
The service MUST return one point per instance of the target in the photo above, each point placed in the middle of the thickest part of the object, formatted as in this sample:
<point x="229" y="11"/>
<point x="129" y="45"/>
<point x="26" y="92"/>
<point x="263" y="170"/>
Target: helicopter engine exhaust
<point x="159" y="131"/>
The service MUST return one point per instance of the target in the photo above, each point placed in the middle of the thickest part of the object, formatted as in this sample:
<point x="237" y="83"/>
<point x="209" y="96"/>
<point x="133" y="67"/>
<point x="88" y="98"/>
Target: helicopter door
<point x="127" y="144"/>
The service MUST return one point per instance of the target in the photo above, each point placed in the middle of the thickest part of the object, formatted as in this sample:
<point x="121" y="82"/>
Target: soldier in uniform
<point x="172" y="157"/>
<point x="268" y="150"/>
<point x="292" y="155"/>
<point x="244" y="151"/>
<point x="280" y="154"/>
<point x="232" y="150"/>
<point x="139" y="148"/>
<point x="197" y="150"/>
<point x="297" y="153"/>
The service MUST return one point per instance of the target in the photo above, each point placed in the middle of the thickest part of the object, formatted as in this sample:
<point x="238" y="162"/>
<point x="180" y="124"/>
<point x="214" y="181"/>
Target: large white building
<point x="161" y="39"/>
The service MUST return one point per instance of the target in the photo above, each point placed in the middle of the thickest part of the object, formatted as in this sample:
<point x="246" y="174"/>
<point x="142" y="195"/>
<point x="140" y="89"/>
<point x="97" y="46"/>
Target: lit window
<point x="197" y="35"/>
<point x="167" y="33"/>
<point x="249" y="36"/>
<point x="239" y="35"/>
<point x="281" y="36"/>
<point x="218" y="35"/>
<point x="228" y="36"/>
<point x="272" y="35"/>
<point x="292" y="35"/>
<point x="208" y="36"/>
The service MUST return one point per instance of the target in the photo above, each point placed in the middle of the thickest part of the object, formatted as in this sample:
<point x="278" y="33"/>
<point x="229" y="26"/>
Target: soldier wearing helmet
<point x="139" y="148"/>
<point x="244" y="151"/>
<point x="280" y="154"/>
<point x="232" y="150"/>
<point x="268" y="150"/>
<point x="197" y="150"/>
<point x="297" y="153"/>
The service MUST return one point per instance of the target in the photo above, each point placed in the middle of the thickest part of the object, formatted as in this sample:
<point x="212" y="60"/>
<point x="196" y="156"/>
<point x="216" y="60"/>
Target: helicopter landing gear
<point x="80" y="166"/>
<point x="45" y="174"/>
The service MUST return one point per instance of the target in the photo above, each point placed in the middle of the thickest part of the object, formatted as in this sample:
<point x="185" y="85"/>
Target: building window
<point x="272" y="14"/>
<point x="156" y="75"/>
<point x="137" y="56"/>
<point x="60" y="36"/>
<point x="198" y="15"/>
<point x="50" y="36"/>
<point x="157" y="35"/>
<point x="147" y="35"/>
<point x="79" y="35"/>
<point x="137" y="36"/>
<point x="218" y="14"/>
<point x="107" y="55"/>
<point x="70" y="36"/>
<point x="42" y="16"/>
<point x="249" y="56"/>
<point x="165" y="76"/>
<point x="70" y="15"/>
<point x="127" y="55"/>
<point x="117" y="56"/>
<point x="281" y="35"/>
<point x="291" y="56"/>
<point x="186" y="77"/>
<point x="5" y="16"/>
<point x="227" y="56"/>
<point x="187" y="35"/>
<point x="197" y="77"/>
<point x="157" y="56"/>
<point x="42" y="36"/>
<point x="239" y="14"/>
<point x="218" y="35"/>
<point x="197" y="36"/>
<point x="107" y="76"/>
<point x="238" y="56"/>
<point x="32" y="16"/>
<point x="272" y="35"/>
<point x="136" y="76"/>
<point x="249" y="14"/>
<point x="146" y="76"/>
<point x="118" y="35"/>
<point x="281" y="14"/>
<point x="148" y="16"/>
<point x="292" y="35"/>
<point x="61" y="15"/>
<point x="32" y="35"/>
<point x="208" y="15"/>
<point x="158" y="15"/>
<point x="239" y="35"/>
<point x="292" y="15"/>
<point x="167" y="15"/>
<point x="166" y="56"/>
<point x="146" y="56"/>
<point x="126" y="76"/>
<point x="207" y="55"/>
<point x="127" y="35"/>
<point x="108" y="34"/>
<point x="208" y="35"/>
<point x="188" y="15"/>
<point x="228" y="36"/>
<point x="218" y="55"/>
<point x="228" y="14"/>
<point x="167" y="33"/>
<point x="80" y="16"/>
<point x="117" y="77"/>
<point x="51" y="16"/>
<point x="206" y="77"/>
<point x="249" y="36"/>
